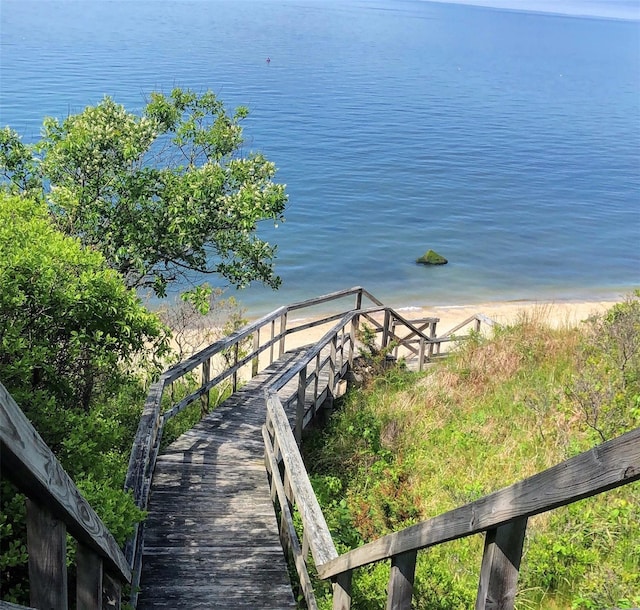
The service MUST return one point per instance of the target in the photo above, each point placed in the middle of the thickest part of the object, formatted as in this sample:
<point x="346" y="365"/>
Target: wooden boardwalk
<point x="211" y="537"/>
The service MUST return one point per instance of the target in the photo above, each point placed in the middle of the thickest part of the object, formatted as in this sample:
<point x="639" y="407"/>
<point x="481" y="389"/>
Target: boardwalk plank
<point x="211" y="537"/>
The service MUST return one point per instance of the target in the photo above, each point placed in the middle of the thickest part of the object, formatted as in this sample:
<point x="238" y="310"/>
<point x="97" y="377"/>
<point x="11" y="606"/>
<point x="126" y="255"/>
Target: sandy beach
<point x="556" y="314"/>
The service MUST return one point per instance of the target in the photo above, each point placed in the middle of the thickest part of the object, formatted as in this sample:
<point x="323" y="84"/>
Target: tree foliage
<point x="67" y="321"/>
<point x="72" y="341"/>
<point x="161" y="194"/>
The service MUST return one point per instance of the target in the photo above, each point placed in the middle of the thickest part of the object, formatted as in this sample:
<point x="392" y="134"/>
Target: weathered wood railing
<point x="416" y="340"/>
<point x="452" y="334"/>
<point x="319" y="369"/>
<point x="55" y="506"/>
<point x="246" y="347"/>
<point x="502" y="516"/>
<point x="290" y="487"/>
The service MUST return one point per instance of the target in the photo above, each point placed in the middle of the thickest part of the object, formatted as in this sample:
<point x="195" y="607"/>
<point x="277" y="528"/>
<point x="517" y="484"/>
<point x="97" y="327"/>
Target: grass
<point x="410" y="446"/>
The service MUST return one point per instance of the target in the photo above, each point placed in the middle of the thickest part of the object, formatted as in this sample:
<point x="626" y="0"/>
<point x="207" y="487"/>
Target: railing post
<point x="302" y="392"/>
<point x="403" y="568"/>
<point x="355" y="327"/>
<point x="421" y="355"/>
<point x="89" y="579"/>
<point x="500" y="566"/>
<point x="206" y="377"/>
<point x="273" y="334"/>
<point x="353" y="335"/>
<point x="47" y="550"/>
<point x="386" y="328"/>
<point x="432" y="335"/>
<point x="256" y="346"/>
<point x="332" y="365"/>
<point x="342" y="591"/>
<point x="234" y="377"/>
<point x="283" y="332"/>
<point x="315" y="384"/>
<point x="477" y="325"/>
<point x="394" y="325"/>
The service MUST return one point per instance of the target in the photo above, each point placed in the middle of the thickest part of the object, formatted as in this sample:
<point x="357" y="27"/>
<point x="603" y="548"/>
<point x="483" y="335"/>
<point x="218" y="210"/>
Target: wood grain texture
<point x="34" y="469"/>
<point x="211" y="539"/>
<point x="47" y="549"/>
<point x="500" y="566"/>
<point x="614" y="463"/>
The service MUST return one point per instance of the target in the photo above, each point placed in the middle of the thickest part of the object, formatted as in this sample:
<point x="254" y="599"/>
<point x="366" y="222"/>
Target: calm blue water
<point x="508" y="141"/>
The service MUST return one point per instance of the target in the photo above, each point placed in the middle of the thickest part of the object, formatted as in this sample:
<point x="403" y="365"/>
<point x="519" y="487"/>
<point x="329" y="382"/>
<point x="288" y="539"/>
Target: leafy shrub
<point x="606" y="386"/>
<point x="408" y="447"/>
<point x="67" y="322"/>
<point x="71" y="334"/>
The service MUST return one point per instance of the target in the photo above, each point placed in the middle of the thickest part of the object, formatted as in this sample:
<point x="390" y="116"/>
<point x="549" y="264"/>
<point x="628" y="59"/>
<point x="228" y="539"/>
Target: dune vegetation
<point x="407" y="446"/>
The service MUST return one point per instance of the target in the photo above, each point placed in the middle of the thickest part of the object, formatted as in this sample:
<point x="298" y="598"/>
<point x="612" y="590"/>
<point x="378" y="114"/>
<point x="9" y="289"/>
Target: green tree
<point x="163" y="194"/>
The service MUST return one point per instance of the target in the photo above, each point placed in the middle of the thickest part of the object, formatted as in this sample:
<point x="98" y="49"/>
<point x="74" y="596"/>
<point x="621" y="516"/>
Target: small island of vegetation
<point x="430" y="257"/>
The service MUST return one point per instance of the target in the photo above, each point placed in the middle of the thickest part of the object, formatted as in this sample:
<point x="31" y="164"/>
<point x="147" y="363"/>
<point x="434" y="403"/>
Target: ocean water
<point x="506" y="140"/>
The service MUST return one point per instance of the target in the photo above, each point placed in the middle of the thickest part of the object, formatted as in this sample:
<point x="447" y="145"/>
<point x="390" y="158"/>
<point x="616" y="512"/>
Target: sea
<point x="503" y="134"/>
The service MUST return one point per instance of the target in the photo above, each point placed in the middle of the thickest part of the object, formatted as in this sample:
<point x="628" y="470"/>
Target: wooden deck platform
<point x="211" y="537"/>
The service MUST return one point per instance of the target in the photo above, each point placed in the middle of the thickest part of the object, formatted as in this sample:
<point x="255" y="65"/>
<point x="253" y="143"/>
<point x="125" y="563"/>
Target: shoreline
<point x="262" y="302"/>
<point x="556" y="314"/>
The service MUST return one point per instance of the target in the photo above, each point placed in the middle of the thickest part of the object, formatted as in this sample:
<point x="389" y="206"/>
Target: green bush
<point x="408" y="447"/>
<point x="68" y="324"/>
<point x="71" y="337"/>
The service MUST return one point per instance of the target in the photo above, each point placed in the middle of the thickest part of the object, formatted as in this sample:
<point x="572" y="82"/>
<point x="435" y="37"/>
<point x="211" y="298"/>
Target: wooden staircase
<point x="212" y="539"/>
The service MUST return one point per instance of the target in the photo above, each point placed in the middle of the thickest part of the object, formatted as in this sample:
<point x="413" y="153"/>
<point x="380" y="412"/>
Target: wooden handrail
<point x="503" y="515"/>
<point x="356" y="290"/>
<point x="289" y="482"/>
<point x="146" y="443"/>
<point x="291" y="486"/>
<point x="150" y="429"/>
<point x="477" y="318"/>
<point x="55" y="505"/>
<point x="314" y="524"/>
<point x="188" y="365"/>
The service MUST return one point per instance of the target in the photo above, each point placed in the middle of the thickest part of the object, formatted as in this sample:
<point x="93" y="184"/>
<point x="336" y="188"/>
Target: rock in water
<point x="432" y="258"/>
